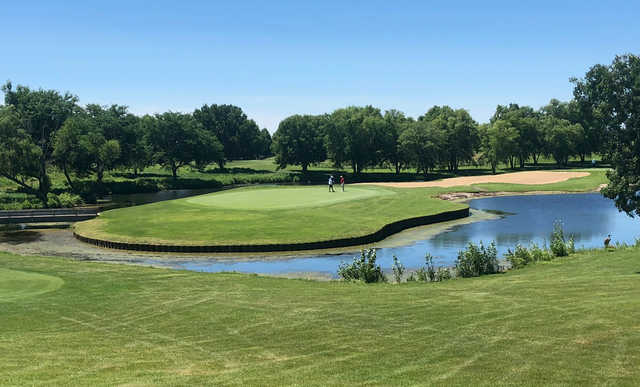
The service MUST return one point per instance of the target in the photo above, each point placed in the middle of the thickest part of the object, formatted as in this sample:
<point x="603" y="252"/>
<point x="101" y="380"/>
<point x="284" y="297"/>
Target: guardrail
<point x="48" y="215"/>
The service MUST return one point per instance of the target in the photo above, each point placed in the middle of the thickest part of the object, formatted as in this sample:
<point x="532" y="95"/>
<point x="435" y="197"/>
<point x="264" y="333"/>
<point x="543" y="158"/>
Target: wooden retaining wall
<point x="387" y="230"/>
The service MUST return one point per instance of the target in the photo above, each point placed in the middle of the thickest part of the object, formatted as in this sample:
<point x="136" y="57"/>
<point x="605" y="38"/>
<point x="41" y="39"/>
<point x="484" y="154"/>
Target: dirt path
<point x="529" y="177"/>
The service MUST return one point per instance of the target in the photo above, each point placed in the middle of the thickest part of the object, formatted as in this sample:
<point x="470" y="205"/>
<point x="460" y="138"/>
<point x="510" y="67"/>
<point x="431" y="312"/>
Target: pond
<point x="523" y="219"/>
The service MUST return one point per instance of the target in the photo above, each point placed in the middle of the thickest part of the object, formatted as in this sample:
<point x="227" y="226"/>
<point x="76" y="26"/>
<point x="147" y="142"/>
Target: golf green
<point x="20" y="284"/>
<point x="288" y="197"/>
<point x="265" y="215"/>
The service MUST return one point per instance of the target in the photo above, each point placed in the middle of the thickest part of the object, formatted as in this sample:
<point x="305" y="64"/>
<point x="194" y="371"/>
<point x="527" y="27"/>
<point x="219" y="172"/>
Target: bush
<point x="519" y="258"/>
<point x="442" y="274"/>
<point x="68" y="200"/>
<point x="476" y="260"/>
<point x="429" y="273"/>
<point x="398" y="270"/>
<point x="558" y="245"/>
<point x="363" y="268"/>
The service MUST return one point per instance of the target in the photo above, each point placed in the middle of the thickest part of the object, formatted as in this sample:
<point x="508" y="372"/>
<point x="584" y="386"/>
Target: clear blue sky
<point x="275" y="59"/>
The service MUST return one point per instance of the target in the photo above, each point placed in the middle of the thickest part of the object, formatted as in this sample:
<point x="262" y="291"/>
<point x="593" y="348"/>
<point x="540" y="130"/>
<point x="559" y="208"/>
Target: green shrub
<point x="476" y="260"/>
<point x="558" y="245"/>
<point x="398" y="269"/>
<point x="53" y="201"/>
<point x="442" y="274"/>
<point x="539" y="254"/>
<point x="518" y="258"/>
<point x="363" y="268"/>
<point x="68" y="200"/>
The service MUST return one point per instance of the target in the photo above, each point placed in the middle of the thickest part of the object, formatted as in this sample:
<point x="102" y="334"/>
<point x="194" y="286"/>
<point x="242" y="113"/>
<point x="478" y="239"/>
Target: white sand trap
<point x="530" y="177"/>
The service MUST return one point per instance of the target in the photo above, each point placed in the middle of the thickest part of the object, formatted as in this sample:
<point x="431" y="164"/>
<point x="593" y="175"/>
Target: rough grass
<point x="573" y="321"/>
<point x="288" y="215"/>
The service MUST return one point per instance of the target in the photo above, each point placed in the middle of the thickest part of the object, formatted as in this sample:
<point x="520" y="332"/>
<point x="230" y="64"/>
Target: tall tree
<point x="299" y="140"/>
<point x="352" y="134"/>
<point x="39" y="114"/>
<point x="239" y="135"/>
<point x="611" y="95"/>
<point x="499" y="143"/>
<point x="526" y="122"/>
<point x="561" y="137"/>
<point x="396" y="123"/>
<point x="460" y="133"/>
<point x="177" y="140"/>
<point x="421" y="145"/>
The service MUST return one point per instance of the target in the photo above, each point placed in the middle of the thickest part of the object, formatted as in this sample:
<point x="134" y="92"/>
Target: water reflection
<point x="589" y="217"/>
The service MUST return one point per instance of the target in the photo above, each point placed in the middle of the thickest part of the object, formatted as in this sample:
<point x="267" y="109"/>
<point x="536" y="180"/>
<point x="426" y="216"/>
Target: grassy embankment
<point x="288" y="215"/>
<point x="570" y="321"/>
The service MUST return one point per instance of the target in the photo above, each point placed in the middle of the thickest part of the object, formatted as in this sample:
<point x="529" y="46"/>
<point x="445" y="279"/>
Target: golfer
<point x="331" y="184"/>
<point x="342" y="182"/>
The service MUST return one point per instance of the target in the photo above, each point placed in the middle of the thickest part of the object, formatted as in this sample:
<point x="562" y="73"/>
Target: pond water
<point x="588" y="217"/>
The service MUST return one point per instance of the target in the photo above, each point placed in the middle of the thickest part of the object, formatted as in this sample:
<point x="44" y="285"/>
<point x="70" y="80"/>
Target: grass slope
<point x="288" y="214"/>
<point x="573" y="321"/>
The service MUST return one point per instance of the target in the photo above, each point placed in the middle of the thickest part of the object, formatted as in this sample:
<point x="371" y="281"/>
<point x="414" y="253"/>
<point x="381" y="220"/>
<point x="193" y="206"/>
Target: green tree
<point x="460" y="133"/>
<point x="422" y="146"/>
<point x="177" y="140"/>
<point x="396" y="123"/>
<point x="26" y="150"/>
<point x="353" y="134"/>
<point x="299" y="140"/>
<point x="526" y="122"/>
<point x="611" y="95"/>
<point x="239" y="135"/>
<point x="560" y="138"/>
<point x="499" y="143"/>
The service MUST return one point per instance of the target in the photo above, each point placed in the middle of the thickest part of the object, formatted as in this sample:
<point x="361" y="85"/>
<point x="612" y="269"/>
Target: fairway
<point x="15" y="285"/>
<point x="284" y="197"/>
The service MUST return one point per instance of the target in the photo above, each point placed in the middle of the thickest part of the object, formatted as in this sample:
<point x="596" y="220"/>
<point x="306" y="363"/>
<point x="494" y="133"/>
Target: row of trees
<point x="363" y="137"/>
<point x="43" y="129"/>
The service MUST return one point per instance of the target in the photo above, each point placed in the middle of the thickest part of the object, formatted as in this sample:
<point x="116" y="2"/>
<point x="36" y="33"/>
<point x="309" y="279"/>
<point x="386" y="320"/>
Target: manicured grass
<point x="284" y="197"/>
<point x="287" y="214"/>
<point x="573" y="321"/>
<point x="15" y="285"/>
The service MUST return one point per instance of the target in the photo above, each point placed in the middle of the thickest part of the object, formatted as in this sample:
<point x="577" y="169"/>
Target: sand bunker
<point x="531" y="177"/>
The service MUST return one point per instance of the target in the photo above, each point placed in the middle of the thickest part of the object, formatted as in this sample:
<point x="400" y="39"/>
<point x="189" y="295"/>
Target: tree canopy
<point x="611" y="96"/>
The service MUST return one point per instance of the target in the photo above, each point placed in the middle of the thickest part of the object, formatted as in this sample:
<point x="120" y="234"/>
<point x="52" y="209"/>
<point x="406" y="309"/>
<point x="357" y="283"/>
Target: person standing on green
<point x="331" y="184"/>
<point x="342" y="182"/>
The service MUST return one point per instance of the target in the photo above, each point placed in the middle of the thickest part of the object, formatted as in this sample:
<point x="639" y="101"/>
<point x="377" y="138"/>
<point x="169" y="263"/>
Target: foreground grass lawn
<point x="571" y="321"/>
<point x="288" y="214"/>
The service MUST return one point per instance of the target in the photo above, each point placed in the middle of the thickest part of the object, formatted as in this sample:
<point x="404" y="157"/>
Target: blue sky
<point x="275" y="59"/>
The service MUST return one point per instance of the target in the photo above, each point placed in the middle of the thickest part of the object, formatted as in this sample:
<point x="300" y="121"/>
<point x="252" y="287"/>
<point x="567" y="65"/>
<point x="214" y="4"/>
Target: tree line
<point x="44" y="129"/>
<point x="364" y="137"/>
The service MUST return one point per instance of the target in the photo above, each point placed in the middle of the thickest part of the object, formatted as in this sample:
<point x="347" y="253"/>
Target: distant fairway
<point x="16" y="285"/>
<point x="284" y="197"/>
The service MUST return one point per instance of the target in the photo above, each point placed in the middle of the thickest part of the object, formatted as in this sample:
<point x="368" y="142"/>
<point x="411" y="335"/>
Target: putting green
<point x="20" y="284"/>
<point x="281" y="198"/>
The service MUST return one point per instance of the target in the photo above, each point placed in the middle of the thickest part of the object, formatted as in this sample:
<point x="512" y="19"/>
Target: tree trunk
<point x="397" y="168"/>
<point x="174" y="171"/>
<point x="304" y="168"/>
<point x="66" y="175"/>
